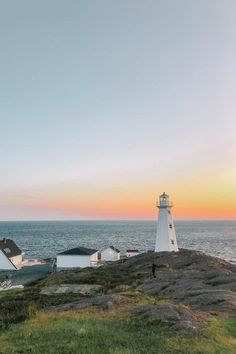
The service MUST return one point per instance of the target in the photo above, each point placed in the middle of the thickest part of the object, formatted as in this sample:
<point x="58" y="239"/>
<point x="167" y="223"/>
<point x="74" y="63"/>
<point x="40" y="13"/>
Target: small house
<point x="110" y="254"/>
<point x="79" y="257"/>
<point x="10" y="255"/>
<point x="131" y="252"/>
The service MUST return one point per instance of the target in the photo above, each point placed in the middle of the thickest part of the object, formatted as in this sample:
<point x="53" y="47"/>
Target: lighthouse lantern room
<point x="166" y="237"/>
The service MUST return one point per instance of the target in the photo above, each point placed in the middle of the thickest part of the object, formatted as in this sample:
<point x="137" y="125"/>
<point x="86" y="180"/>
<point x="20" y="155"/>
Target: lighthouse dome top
<point x="164" y="201"/>
<point x="164" y="195"/>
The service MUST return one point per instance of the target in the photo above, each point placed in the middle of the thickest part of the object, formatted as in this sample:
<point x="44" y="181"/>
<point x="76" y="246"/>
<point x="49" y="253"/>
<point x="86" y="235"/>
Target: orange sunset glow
<point x="192" y="199"/>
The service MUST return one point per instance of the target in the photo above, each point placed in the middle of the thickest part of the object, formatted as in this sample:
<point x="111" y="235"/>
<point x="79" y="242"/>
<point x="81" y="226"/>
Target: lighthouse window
<point x="172" y="242"/>
<point x="170" y="226"/>
<point x="168" y="212"/>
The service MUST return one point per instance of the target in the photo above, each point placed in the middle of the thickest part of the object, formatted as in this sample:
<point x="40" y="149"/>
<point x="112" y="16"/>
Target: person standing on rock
<point x="154" y="270"/>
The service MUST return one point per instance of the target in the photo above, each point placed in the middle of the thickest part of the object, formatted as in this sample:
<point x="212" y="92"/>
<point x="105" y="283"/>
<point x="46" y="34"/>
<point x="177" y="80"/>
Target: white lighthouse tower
<point x="166" y="237"/>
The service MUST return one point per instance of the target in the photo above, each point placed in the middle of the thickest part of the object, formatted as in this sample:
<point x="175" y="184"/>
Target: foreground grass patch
<point x="90" y="333"/>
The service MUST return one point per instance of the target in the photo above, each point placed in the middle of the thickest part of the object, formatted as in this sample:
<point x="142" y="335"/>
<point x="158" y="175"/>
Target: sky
<point x="106" y="104"/>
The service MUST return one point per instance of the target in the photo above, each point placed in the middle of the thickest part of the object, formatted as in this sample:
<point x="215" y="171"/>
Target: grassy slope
<point x="97" y="332"/>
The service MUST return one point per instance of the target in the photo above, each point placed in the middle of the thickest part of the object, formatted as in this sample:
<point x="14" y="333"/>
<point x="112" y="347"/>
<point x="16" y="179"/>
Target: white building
<point x="110" y="254"/>
<point x="166" y="237"/>
<point x="131" y="252"/>
<point x="10" y="255"/>
<point x="79" y="257"/>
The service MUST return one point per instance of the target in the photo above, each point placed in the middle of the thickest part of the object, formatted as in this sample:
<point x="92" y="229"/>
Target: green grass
<point x="96" y="332"/>
<point x="72" y="334"/>
<point x="230" y="326"/>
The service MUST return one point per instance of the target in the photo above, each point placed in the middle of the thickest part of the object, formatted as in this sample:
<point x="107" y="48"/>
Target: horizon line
<point x="102" y="220"/>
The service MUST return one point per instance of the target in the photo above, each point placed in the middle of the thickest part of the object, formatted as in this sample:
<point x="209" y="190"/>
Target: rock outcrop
<point x="81" y="289"/>
<point x="176" y="316"/>
<point x="192" y="278"/>
<point x="102" y="302"/>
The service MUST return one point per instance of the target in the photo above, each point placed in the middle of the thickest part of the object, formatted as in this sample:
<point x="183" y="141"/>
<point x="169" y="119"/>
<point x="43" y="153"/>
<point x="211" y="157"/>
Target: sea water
<point x="43" y="239"/>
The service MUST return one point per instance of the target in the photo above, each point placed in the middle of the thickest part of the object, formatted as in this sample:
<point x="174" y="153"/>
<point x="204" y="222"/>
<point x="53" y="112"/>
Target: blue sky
<point x="105" y="97"/>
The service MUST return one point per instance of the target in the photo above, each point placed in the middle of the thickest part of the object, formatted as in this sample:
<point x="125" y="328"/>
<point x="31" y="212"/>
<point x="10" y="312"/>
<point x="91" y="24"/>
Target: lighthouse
<point x="166" y="237"/>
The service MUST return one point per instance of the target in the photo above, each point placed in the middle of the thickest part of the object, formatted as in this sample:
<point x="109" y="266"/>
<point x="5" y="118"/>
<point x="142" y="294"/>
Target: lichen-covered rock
<point x="82" y="289"/>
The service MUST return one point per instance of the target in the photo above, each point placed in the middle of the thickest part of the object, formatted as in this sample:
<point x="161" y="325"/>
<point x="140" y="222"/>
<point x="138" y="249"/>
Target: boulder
<point x="176" y="316"/>
<point x="103" y="302"/>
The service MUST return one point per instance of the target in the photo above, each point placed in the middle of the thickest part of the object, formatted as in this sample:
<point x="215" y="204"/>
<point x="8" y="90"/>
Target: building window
<point x="170" y="226"/>
<point x="172" y="242"/>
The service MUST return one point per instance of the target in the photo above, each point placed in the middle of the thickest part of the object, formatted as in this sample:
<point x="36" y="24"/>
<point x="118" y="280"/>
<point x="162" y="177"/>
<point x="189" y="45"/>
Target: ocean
<point x="43" y="239"/>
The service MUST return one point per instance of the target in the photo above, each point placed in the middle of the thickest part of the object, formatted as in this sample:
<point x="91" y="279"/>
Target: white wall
<point x="76" y="261"/>
<point x="94" y="257"/>
<point x="109" y="255"/>
<point x="5" y="264"/>
<point x="72" y="261"/>
<point x="131" y="254"/>
<point x="17" y="261"/>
